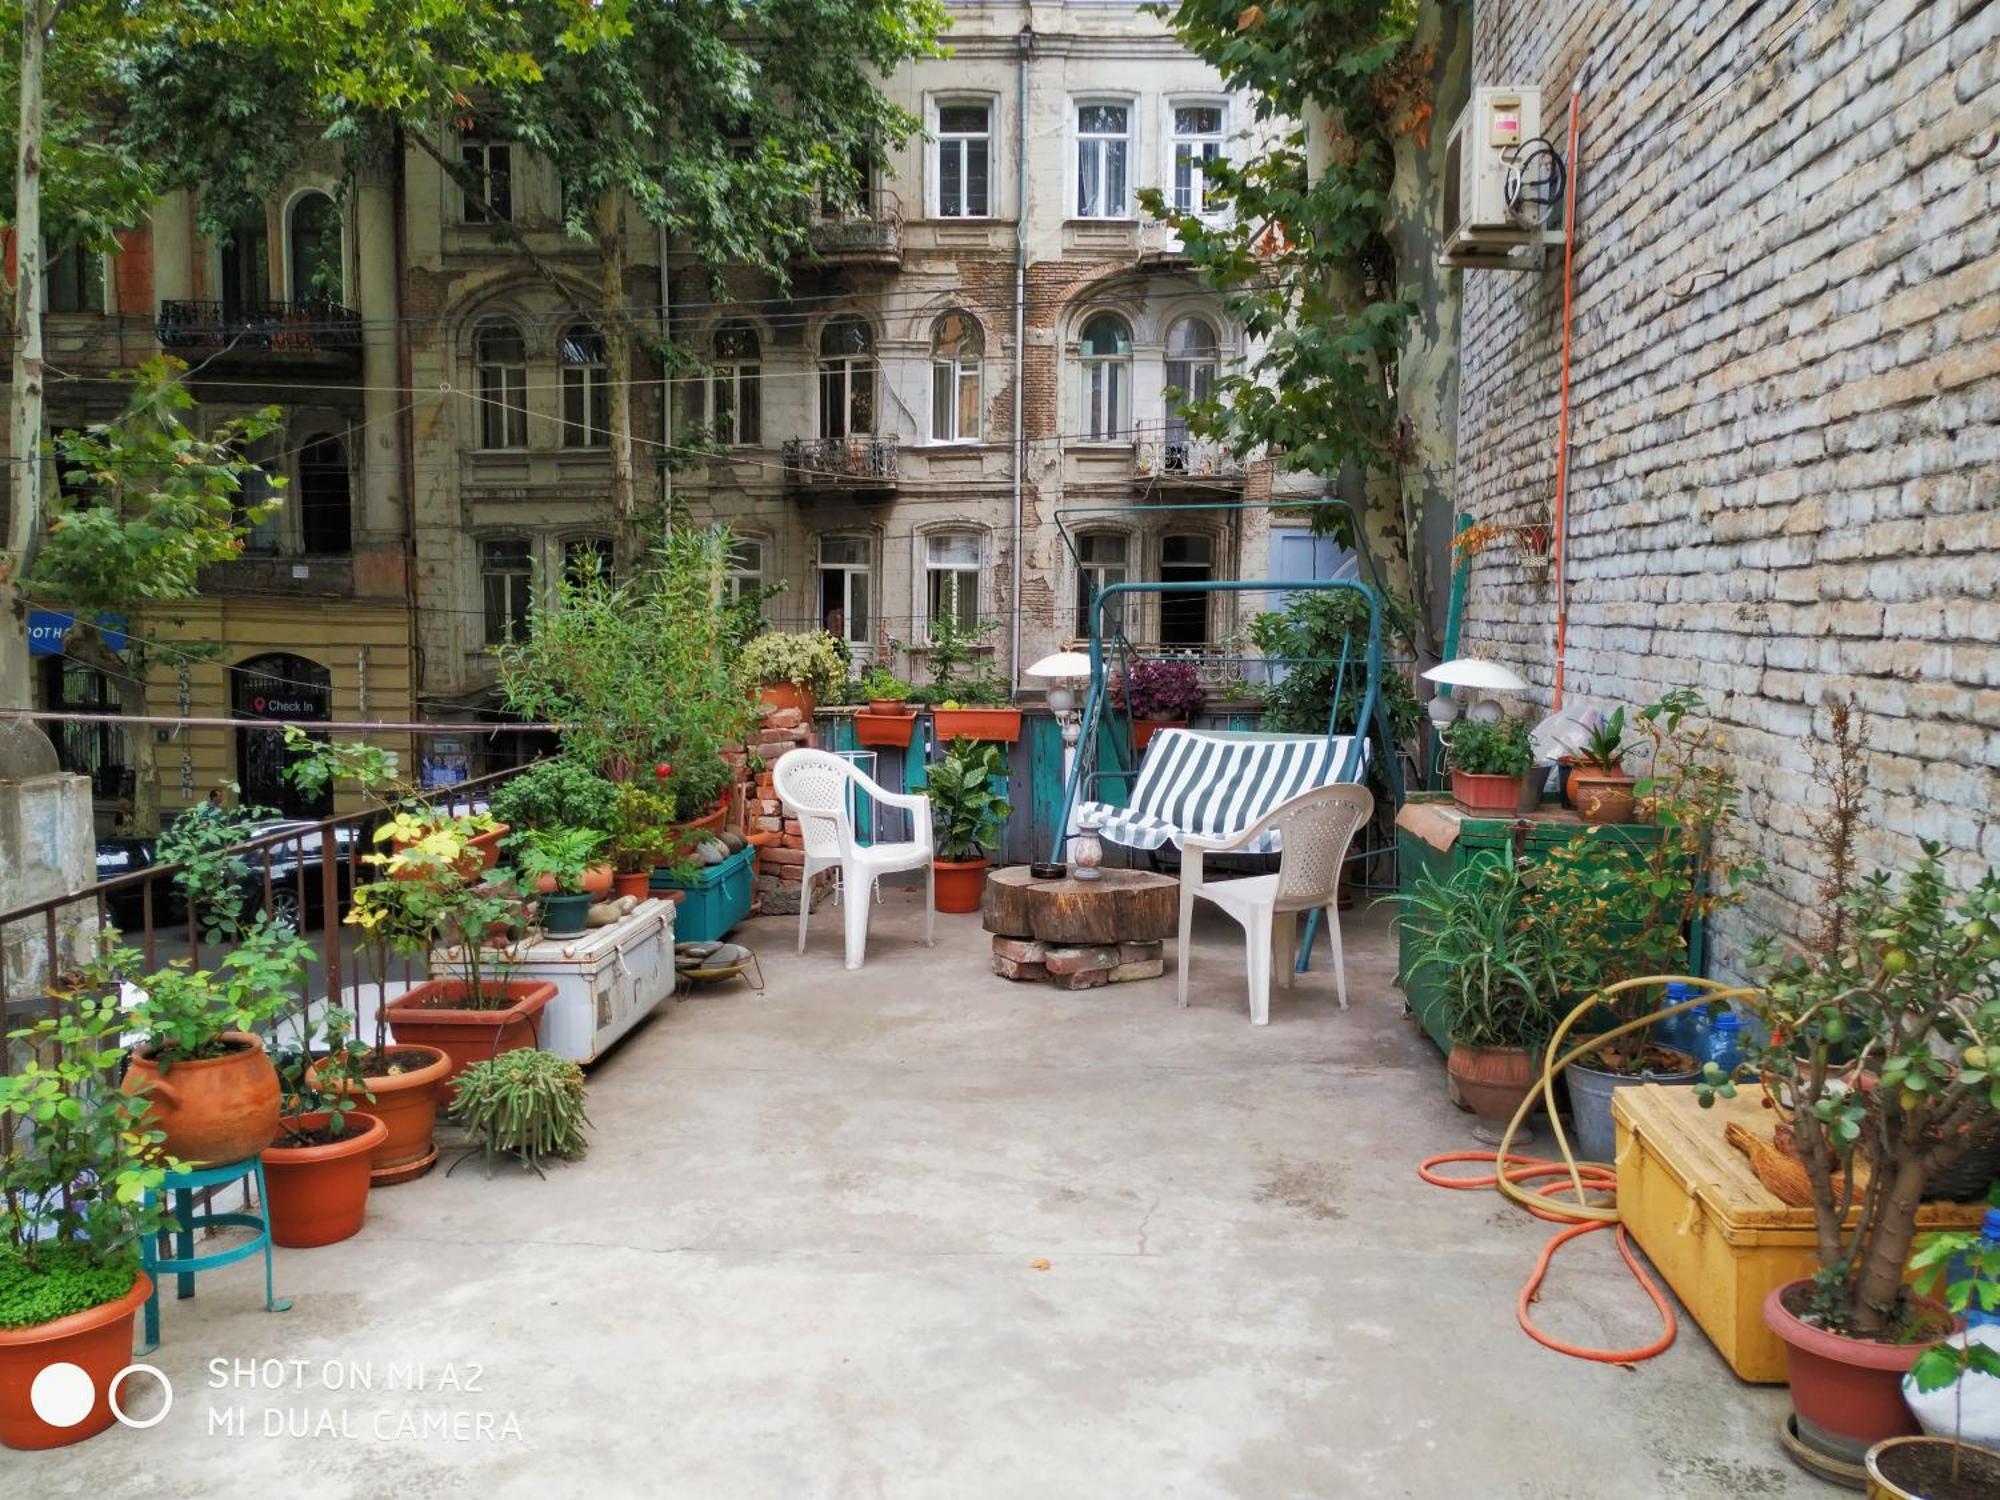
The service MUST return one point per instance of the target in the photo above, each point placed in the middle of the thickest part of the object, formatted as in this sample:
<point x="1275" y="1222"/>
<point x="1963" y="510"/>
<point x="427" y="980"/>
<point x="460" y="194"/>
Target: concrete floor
<point x="920" y="1232"/>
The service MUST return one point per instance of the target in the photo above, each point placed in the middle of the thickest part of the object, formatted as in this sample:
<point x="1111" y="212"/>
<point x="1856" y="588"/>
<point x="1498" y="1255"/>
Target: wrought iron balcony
<point x="855" y="465"/>
<point x="868" y="234"/>
<point x="292" y="335"/>
<point x="1177" y="455"/>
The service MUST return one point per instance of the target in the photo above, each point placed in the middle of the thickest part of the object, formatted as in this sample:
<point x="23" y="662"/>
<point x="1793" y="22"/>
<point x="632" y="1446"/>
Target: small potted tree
<point x="793" y="670"/>
<point x="1160" y="695"/>
<point x="889" y="720"/>
<point x="316" y="1168"/>
<point x="969" y="702"/>
<point x="1879" y="1050"/>
<point x="966" y="818"/>
<point x="641" y="838"/>
<point x="1488" y="761"/>
<point x="555" y="861"/>
<point x="1600" y="789"/>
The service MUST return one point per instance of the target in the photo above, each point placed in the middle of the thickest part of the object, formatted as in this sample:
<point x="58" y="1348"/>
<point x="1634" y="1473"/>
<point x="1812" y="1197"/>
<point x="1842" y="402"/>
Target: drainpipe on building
<point x="406" y="427"/>
<point x="1561" y="517"/>
<point x="1024" y="43"/>
<point x="666" y="390"/>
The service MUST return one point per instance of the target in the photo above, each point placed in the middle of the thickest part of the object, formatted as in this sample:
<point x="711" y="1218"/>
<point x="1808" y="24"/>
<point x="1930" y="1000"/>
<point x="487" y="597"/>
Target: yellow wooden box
<point x="1719" y="1238"/>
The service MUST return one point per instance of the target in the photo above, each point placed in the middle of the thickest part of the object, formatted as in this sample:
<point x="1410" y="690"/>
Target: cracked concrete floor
<point x="916" y="1231"/>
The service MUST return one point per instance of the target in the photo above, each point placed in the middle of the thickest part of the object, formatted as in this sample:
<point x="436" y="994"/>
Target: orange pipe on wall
<point x="1561" y="517"/>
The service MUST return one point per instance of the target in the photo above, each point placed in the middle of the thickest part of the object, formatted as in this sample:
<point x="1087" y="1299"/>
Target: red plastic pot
<point x="1476" y="792"/>
<point x="1848" y="1393"/>
<point x="999" y="726"/>
<point x="319" y="1194"/>
<point x="960" y="884"/>
<point x="431" y="1015"/>
<point x="97" y="1340"/>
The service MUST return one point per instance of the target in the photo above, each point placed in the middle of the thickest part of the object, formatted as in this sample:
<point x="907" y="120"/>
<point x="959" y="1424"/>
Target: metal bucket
<point x="1596" y="1139"/>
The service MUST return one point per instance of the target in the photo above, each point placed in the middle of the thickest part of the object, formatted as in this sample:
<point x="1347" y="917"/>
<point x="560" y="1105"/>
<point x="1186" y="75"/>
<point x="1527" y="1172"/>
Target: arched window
<point x="312" y="249"/>
<point x="502" y="357"/>
<point x="326" y="516"/>
<point x="1106" y="351"/>
<point x="1100" y="562"/>
<point x="246" y="265"/>
<point x="278" y="685"/>
<point x="735" y="402"/>
<point x="586" y="400"/>
<point x="1192" y="356"/>
<point x="846" y="379"/>
<point x="956" y="346"/>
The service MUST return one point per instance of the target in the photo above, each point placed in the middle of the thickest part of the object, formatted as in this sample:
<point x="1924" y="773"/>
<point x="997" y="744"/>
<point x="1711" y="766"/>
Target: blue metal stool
<point x="185" y="1263"/>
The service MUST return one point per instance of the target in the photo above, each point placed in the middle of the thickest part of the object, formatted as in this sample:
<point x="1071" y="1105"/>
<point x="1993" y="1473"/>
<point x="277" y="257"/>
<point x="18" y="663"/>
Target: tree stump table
<point x="1079" y="934"/>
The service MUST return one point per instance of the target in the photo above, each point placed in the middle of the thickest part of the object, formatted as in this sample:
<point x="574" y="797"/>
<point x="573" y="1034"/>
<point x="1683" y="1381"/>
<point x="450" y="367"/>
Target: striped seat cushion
<point x="1216" y="785"/>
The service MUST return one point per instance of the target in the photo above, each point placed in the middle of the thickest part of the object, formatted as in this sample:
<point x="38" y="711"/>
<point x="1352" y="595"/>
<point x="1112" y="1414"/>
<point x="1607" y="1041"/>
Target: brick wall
<point x="1785" y="464"/>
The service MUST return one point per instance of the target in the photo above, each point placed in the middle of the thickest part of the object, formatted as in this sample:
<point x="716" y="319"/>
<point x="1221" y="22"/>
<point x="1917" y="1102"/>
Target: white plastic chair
<point x="1313" y="831"/>
<point x="819" y="790"/>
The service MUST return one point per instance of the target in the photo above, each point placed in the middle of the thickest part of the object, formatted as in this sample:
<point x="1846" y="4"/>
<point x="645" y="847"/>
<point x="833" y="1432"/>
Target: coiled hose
<point x="1595" y="1184"/>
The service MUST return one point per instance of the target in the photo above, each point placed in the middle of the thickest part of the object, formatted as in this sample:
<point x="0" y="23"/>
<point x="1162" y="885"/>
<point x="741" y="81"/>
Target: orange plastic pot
<point x="318" y="1195"/>
<point x="960" y="884"/>
<point x="885" y="731"/>
<point x="97" y="1341"/>
<point x="433" y="1014"/>
<point x="788" y="695"/>
<point x="213" y="1109"/>
<point x="406" y="1103"/>
<point x="1476" y="792"/>
<point x="1000" y="726"/>
<point x="637" y="886"/>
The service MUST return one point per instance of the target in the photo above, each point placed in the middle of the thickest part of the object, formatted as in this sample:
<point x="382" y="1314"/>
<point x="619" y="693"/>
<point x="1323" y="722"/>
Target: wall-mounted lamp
<point x="1471" y="673"/>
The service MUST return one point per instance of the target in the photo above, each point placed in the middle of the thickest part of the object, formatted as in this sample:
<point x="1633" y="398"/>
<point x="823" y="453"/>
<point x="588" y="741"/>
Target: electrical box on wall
<point x="1502" y="181"/>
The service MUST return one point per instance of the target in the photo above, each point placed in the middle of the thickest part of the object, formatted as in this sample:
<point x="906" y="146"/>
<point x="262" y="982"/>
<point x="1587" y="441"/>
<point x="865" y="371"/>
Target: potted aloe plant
<point x="78" y="1198"/>
<point x="1489" y="759"/>
<point x="556" y="862"/>
<point x="1160" y="695"/>
<point x="966" y="819"/>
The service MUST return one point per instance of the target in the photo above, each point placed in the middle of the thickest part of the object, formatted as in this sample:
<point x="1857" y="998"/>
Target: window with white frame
<point x="846" y="379"/>
<point x="1197" y="142"/>
<point x="501" y="357"/>
<point x="845" y="587"/>
<point x="735" y="399"/>
<point x="1192" y="360"/>
<point x="1103" y="154"/>
<point x="964" y="159"/>
<point x="489" y="169"/>
<point x="1100" y="562"/>
<point x="1105" y="353"/>
<point x="956" y="347"/>
<point x="951" y="578"/>
<point x="745" y="576"/>
<point x="506" y="578"/>
<point x="586" y="399"/>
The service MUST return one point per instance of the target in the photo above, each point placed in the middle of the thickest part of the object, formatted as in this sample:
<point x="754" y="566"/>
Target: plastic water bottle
<point x="1681" y="1032"/>
<point x="1725" y="1042"/>
<point x="1989" y="1241"/>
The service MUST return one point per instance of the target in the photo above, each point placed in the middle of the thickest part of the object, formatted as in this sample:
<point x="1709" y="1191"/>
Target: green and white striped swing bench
<point x="1214" y="784"/>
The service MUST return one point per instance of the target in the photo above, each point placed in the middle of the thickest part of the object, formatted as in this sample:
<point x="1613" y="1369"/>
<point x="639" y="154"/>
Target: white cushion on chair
<point x="1215" y="785"/>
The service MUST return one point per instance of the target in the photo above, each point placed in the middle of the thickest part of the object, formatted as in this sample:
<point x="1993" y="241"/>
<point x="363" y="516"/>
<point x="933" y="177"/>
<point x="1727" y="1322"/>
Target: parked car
<point x="288" y="859"/>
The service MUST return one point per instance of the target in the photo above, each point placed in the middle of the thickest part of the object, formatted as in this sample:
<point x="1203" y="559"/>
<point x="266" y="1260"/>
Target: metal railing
<point x="834" y="462"/>
<point x="305" y="328"/>
<point x="1174" y="454"/>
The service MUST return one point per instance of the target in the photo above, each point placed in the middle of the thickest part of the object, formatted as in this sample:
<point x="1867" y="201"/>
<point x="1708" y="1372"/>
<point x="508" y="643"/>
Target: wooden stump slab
<point x="1121" y="906"/>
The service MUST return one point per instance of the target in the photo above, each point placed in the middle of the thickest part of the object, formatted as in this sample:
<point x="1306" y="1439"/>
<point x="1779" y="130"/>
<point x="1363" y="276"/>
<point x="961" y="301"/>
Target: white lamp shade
<point x="1471" y="672"/>
<point x="1063" y="665"/>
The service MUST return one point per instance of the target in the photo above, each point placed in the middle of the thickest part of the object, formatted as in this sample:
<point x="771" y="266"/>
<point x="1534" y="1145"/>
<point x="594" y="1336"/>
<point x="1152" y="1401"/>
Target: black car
<point x="287" y="858"/>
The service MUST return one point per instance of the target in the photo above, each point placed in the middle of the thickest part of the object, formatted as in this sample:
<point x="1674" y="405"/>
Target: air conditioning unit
<point x="1487" y="219"/>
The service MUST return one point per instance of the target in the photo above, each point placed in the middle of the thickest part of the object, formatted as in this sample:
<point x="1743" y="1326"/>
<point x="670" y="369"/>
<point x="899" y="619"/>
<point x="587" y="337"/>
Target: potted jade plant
<point x="1159" y="695"/>
<point x="1878" y="1046"/>
<point x="642" y="837"/>
<point x="79" y="1196"/>
<point x="1489" y="759"/>
<point x="1600" y="788"/>
<point x="889" y="721"/>
<point x="555" y="862"/>
<point x="1501" y="983"/>
<point x="316" y="1168"/>
<point x="966" y="818"/>
<point x="793" y="670"/>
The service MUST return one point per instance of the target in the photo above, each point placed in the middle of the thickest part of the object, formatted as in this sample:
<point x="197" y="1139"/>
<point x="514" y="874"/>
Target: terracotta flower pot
<point x="688" y="834"/>
<point x="881" y="731"/>
<point x="1479" y="793"/>
<point x="788" y="695"/>
<point x="960" y="883"/>
<point x="1492" y="1082"/>
<point x="597" y="881"/>
<point x="215" y="1109"/>
<point x="1000" y="726"/>
<point x="318" y="1195"/>
<point x="1847" y="1393"/>
<point x="1602" y="796"/>
<point x="636" y="885"/>
<point x="433" y="1014"/>
<point x="406" y="1103"/>
<point x="899" y="707"/>
<point x="97" y="1341"/>
<point x="1907" y="1468"/>
<point x="1143" y="730"/>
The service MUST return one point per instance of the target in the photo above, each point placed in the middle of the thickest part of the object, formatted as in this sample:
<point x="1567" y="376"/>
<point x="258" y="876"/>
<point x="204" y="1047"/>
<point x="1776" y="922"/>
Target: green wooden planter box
<point x="1489" y="838"/>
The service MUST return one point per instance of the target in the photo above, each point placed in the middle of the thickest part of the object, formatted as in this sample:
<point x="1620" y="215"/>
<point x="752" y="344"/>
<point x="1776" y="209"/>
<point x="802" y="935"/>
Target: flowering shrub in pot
<point x="1158" y="694"/>
<point x="793" y="669"/>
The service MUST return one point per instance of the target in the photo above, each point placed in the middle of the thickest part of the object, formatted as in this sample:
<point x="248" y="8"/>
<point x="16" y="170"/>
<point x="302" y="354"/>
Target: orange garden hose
<point x="1583" y="1214"/>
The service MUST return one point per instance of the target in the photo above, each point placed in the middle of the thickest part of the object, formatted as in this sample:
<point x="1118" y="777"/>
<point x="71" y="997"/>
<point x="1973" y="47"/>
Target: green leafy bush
<point x="1480" y="748"/>
<point x="966" y="814"/>
<point x="808" y="659"/>
<point x="1503" y="975"/>
<point x="1308" y="637"/>
<point x="560" y="854"/>
<point x="552" y="793"/>
<point x="527" y="1104"/>
<point x="883" y="686"/>
<point x="187" y="1010"/>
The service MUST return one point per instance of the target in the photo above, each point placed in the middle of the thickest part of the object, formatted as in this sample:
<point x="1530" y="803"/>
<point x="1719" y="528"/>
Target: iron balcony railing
<point x="285" y="328"/>
<point x="835" y="463"/>
<point x="1178" y="454"/>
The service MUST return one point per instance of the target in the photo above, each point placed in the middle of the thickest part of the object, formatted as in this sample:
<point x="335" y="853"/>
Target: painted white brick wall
<point x="1785" y="465"/>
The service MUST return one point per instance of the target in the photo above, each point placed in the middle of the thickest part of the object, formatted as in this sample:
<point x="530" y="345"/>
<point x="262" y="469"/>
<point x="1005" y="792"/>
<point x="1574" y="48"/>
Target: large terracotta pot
<point x="1847" y="1393"/>
<point x="1492" y="795"/>
<point x="406" y="1103"/>
<point x="318" y="1195"/>
<point x="214" y="1109"/>
<point x="637" y="886"/>
<point x="597" y="881"/>
<point x="789" y="695"/>
<point x="1602" y="796"/>
<point x="433" y="1014"/>
<point x="1894" y="1463"/>
<point x="97" y="1341"/>
<point x="960" y="884"/>
<point x="1492" y="1082"/>
<point x="692" y="832"/>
